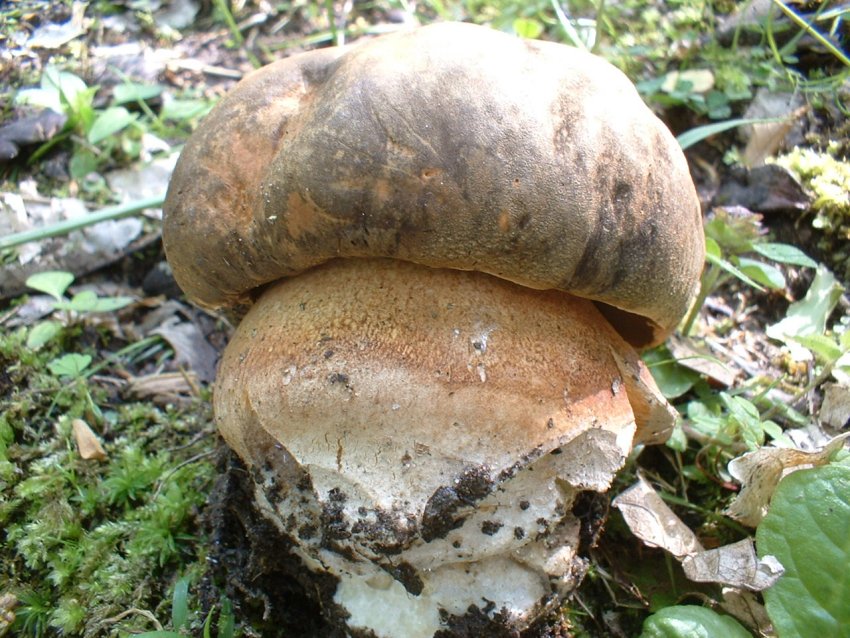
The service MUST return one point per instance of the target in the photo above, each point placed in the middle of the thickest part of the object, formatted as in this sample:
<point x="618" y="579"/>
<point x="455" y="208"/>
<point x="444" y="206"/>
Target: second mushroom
<point x="450" y="242"/>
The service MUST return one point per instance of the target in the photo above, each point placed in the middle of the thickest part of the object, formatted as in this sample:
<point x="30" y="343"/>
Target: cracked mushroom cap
<point x="450" y="146"/>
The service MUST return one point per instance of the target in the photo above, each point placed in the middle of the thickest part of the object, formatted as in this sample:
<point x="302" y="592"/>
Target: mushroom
<point x="450" y="243"/>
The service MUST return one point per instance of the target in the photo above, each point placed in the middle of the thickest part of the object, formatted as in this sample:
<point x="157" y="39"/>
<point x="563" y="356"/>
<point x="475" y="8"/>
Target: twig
<point x="70" y="225"/>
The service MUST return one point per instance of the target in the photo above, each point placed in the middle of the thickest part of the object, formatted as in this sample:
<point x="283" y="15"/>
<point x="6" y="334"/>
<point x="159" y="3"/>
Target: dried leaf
<point x="174" y="388"/>
<point x="759" y="473"/>
<point x="191" y="349"/>
<point x="688" y="354"/>
<point x="835" y="410"/>
<point x="654" y="416"/>
<point x="87" y="442"/>
<point x="736" y="565"/>
<point x="649" y="518"/>
<point x="745" y="606"/>
<point x="766" y="138"/>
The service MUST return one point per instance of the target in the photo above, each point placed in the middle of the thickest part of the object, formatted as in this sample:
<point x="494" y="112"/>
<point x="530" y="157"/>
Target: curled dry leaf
<point x="759" y="473"/>
<point x="87" y="442"/>
<point x="745" y="606"/>
<point x="691" y="356"/>
<point x="835" y="410"/>
<point x="650" y="519"/>
<point x="175" y="388"/>
<point x="736" y="565"/>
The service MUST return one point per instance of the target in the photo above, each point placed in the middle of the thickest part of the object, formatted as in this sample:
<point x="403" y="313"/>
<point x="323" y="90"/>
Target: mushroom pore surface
<point x="452" y="146"/>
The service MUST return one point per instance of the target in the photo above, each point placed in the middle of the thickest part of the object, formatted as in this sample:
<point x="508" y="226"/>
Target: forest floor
<point x="120" y="507"/>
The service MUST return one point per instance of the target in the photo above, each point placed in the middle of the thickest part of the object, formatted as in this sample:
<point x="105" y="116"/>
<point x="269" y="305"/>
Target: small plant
<point x="181" y="617"/>
<point x="735" y="248"/>
<point x="56" y="284"/>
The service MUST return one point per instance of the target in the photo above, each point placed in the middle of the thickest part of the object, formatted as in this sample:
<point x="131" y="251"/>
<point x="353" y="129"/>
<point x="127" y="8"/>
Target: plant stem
<point x="70" y="225"/>
<point x="707" y="283"/>
<point x="796" y="19"/>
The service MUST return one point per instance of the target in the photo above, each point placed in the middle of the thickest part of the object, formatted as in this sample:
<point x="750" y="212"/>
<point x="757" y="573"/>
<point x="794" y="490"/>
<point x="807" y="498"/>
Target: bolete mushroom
<point x="451" y="240"/>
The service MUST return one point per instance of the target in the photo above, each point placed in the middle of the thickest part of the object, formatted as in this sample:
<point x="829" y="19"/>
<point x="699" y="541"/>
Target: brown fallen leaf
<point x="759" y="473"/>
<point x="651" y="520"/>
<point x="736" y="565"/>
<point x="690" y="355"/>
<point x="176" y="388"/>
<point x="87" y="442"/>
<point x="835" y="410"/>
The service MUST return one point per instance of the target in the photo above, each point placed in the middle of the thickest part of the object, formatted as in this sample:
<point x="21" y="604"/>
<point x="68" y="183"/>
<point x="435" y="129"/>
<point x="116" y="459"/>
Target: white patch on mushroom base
<point x="389" y="611"/>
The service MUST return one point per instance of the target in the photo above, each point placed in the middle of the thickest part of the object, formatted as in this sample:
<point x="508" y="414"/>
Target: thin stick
<point x="70" y="225"/>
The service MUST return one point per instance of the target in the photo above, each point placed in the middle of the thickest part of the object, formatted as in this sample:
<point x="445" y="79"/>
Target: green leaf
<point x="822" y="346"/>
<point x="69" y="365"/>
<point x="765" y="274"/>
<point x="184" y="109"/>
<point x="806" y="530"/>
<point x="159" y="634"/>
<point x="180" y="604"/>
<point x="527" y="28"/>
<point x="88" y="301"/>
<point x="712" y="247"/>
<point x="785" y="254"/>
<point x="42" y="332"/>
<point x="51" y="282"/>
<point x="226" y="620"/>
<point x="690" y="621"/>
<point x="110" y="122"/>
<point x="134" y="92"/>
<point x="732" y="270"/>
<point x="808" y="316"/>
<point x="698" y="134"/>
<point x="672" y="379"/>
<point x="82" y="163"/>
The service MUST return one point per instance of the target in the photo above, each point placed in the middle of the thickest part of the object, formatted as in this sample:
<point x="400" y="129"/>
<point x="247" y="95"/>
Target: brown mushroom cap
<point x="451" y="146"/>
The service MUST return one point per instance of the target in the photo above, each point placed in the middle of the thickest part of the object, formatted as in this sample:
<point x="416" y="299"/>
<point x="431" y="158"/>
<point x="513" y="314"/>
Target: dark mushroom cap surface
<point x="451" y="146"/>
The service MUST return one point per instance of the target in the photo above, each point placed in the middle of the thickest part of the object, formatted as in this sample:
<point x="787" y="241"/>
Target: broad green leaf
<point x="180" y="604"/>
<point x="712" y="247"/>
<point x="785" y="254"/>
<point x="111" y="121"/>
<point x="68" y="85"/>
<point x="184" y="109"/>
<point x="690" y="621"/>
<point x="806" y="529"/>
<point x="88" y="301"/>
<point x="765" y="274"/>
<point x="69" y="365"/>
<point x="822" y="346"/>
<point x="527" y="28"/>
<point x="82" y="163"/>
<point x="51" y="282"/>
<point x="672" y="379"/>
<point x="160" y="634"/>
<point x="808" y="316"/>
<point x="133" y="92"/>
<point x="45" y="98"/>
<point x="42" y="332"/>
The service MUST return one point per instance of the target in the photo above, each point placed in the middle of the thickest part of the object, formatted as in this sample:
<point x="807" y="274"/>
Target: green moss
<point x="828" y="179"/>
